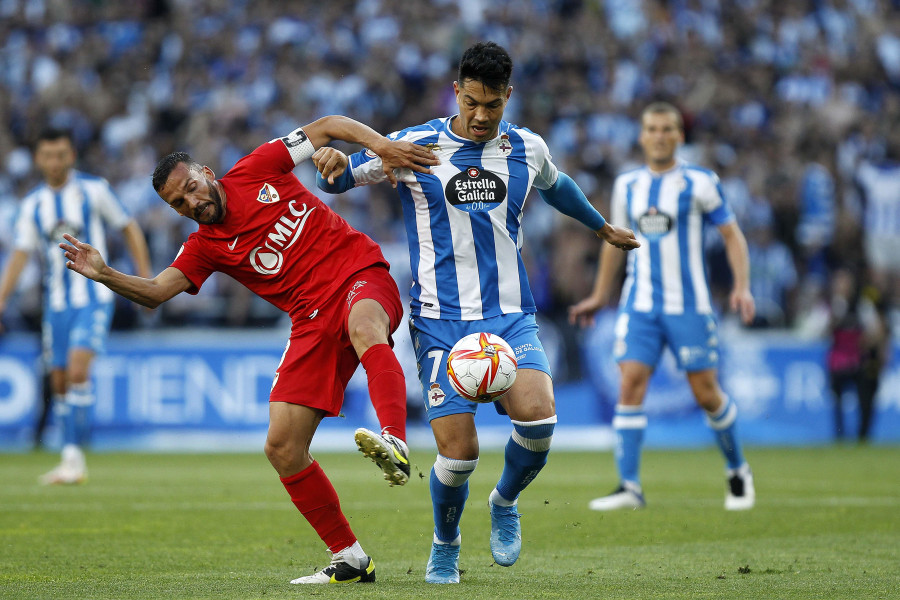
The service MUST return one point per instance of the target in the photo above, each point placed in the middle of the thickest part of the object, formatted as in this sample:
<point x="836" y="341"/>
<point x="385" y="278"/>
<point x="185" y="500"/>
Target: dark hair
<point x="51" y="134"/>
<point x="657" y="108"/>
<point x="167" y="164"/>
<point x="487" y="63"/>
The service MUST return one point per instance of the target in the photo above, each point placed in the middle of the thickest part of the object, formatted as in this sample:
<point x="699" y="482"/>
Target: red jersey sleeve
<point x="194" y="262"/>
<point x="272" y="159"/>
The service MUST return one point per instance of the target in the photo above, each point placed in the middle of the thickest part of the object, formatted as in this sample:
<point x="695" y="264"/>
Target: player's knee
<point x="366" y="333"/>
<point x="286" y="456"/>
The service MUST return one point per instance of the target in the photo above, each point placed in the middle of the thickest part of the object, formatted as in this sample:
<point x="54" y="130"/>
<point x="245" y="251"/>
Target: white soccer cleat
<point x="390" y="453"/>
<point x="741" y="493"/>
<point x="627" y="495"/>
<point x="340" y="571"/>
<point x="64" y="475"/>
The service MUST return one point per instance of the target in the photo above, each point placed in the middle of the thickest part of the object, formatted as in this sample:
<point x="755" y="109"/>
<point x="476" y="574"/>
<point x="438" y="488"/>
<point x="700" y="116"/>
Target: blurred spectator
<point x="859" y="347"/>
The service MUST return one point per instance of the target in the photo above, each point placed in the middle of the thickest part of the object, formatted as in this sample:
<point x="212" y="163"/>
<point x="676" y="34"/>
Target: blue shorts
<point x="85" y="328"/>
<point x="433" y="339"/>
<point x="693" y="339"/>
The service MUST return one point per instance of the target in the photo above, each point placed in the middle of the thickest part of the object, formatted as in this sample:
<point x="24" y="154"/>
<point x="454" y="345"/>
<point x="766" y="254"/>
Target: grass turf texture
<point x="826" y="525"/>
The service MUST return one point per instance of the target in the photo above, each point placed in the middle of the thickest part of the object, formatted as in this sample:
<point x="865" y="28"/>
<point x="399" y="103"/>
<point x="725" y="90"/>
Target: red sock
<point x="315" y="498"/>
<point x="387" y="388"/>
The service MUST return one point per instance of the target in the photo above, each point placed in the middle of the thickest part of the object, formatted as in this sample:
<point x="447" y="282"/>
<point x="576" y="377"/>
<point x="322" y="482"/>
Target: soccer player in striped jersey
<point x="665" y="300"/>
<point x="464" y="224"/>
<point x="77" y="312"/>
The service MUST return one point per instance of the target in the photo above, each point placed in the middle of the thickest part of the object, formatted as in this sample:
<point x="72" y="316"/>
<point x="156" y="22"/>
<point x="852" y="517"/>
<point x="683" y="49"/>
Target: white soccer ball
<point x="481" y="367"/>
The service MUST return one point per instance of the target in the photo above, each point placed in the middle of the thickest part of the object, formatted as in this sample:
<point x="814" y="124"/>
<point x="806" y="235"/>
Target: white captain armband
<point x="299" y="145"/>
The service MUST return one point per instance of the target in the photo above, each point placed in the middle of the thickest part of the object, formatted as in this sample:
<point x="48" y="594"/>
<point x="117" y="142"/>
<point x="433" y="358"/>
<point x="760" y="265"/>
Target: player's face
<point x="55" y="159"/>
<point x="194" y="194"/>
<point x="480" y="110"/>
<point x="660" y="137"/>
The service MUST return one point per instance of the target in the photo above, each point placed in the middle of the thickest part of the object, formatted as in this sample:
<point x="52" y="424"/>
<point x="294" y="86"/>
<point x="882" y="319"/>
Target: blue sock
<point x="629" y="423"/>
<point x="66" y="418"/>
<point x="449" y="490"/>
<point x="724" y="424"/>
<point x="80" y="399"/>
<point x="526" y="455"/>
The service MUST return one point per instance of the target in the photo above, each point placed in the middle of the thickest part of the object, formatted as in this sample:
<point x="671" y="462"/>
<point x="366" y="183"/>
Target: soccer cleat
<point x="506" y="534"/>
<point x="389" y="453"/>
<point x="341" y="572"/>
<point x="443" y="564"/>
<point x="625" y="496"/>
<point x="741" y="493"/>
<point x="64" y="475"/>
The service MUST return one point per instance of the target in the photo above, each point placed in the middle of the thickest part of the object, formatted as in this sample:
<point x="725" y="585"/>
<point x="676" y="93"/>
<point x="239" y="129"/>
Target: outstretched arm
<point x="394" y="155"/>
<point x="741" y="300"/>
<point x="566" y="197"/>
<point x="86" y="260"/>
<point x="10" y="277"/>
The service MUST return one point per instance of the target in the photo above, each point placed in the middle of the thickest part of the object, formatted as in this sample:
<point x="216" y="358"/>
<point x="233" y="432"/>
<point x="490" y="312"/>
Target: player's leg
<point x="291" y="429"/>
<point x="374" y="314"/>
<point x="637" y="348"/>
<point x="453" y="424"/>
<point x="457" y="443"/>
<point x="721" y="416"/>
<point x="531" y="408"/>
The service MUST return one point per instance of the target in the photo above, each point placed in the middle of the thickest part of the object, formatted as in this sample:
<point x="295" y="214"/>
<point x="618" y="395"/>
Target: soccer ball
<point x="481" y="367"/>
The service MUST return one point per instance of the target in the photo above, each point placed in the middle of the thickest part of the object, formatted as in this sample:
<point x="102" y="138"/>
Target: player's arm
<point x="741" y="300"/>
<point x="566" y="197"/>
<point x="394" y="154"/>
<point x="11" y="273"/>
<point x="86" y="260"/>
<point x="608" y="268"/>
<point x="137" y="247"/>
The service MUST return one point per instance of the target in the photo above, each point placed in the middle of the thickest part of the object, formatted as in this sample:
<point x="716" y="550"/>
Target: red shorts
<point x="319" y="359"/>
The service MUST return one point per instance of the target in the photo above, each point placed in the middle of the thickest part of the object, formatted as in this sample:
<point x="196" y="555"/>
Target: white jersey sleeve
<point x="108" y="205"/>
<point x="27" y="234"/>
<point x="547" y="172"/>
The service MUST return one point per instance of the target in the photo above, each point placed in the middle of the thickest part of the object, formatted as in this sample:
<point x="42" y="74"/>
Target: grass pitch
<point x="826" y="525"/>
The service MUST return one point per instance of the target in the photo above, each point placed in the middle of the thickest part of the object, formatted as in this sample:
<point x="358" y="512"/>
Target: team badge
<point x="267" y="194"/>
<point x="436" y="395"/>
<point x="370" y="154"/>
<point x="433" y="147"/>
<point x="504" y="147"/>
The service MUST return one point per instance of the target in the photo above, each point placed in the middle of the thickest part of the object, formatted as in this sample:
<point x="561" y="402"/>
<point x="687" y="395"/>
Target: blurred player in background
<point x="259" y="225"/>
<point x="463" y="222"/>
<point x="77" y="312"/>
<point x="666" y="302"/>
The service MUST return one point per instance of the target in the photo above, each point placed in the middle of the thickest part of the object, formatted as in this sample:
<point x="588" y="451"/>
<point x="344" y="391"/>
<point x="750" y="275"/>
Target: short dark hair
<point x="488" y="63"/>
<point x="168" y="163"/>
<point x="51" y="134"/>
<point x="661" y="107"/>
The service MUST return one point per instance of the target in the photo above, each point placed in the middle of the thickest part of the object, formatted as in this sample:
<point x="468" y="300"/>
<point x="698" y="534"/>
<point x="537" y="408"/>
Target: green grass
<point x="826" y="525"/>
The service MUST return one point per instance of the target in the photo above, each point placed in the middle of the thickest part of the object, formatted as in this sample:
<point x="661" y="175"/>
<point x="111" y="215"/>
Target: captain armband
<point x="298" y="145"/>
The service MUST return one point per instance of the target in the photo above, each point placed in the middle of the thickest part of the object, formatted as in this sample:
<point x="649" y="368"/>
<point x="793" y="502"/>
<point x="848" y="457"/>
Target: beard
<point x="215" y="204"/>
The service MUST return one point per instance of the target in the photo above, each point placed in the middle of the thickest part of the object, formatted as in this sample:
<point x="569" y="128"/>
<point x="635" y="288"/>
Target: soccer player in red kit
<point x="259" y="225"/>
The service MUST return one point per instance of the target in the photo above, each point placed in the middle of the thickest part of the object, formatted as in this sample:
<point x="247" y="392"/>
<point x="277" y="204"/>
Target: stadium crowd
<point x="796" y="104"/>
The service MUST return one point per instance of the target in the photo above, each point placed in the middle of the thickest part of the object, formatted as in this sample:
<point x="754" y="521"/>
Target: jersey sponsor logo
<point x="56" y="232"/>
<point x="475" y="190"/>
<point x="294" y="138"/>
<point x="654" y="224"/>
<point x="268" y="258"/>
<point x="267" y="194"/>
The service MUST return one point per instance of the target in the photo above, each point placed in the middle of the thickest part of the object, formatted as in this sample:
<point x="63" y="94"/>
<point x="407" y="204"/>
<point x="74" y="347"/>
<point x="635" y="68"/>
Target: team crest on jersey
<point x="56" y="232"/>
<point x="654" y="224"/>
<point x="267" y="194"/>
<point x="436" y="395"/>
<point x="504" y="146"/>
<point x="370" y="154"/>
<point x="475" y="190"/>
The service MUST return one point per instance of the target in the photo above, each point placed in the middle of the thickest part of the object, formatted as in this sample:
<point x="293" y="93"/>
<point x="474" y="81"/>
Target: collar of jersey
<point x="449" y="131"/>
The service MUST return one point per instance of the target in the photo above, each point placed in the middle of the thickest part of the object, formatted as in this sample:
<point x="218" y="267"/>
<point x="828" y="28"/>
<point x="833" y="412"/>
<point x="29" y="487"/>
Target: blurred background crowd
<point x="795" y="103"/>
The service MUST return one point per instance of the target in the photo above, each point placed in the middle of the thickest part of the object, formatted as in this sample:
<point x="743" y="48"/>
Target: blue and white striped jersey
<point x="464" y="221"/>
<point x="81" y="207"/>
<point x="667" y="212"/>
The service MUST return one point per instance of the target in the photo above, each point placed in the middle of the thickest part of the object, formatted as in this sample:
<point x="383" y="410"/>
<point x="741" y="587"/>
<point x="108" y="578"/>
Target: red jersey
<point x="277" y="238"/>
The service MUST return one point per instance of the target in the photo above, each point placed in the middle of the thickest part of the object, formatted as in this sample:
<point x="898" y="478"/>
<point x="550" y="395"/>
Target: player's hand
<point x="621" y="238"/>
<point x="741" y="302"/>
<point x="330" y="162"/>
<point x="582" y="314"/>
<point x="82" y="258"/>
<point x="404" y="155"/>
